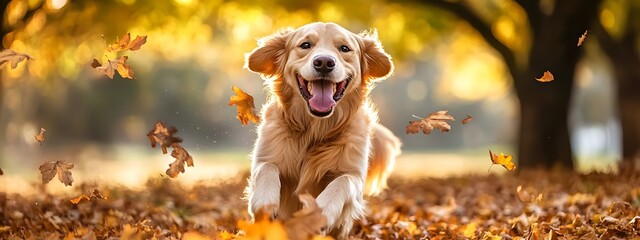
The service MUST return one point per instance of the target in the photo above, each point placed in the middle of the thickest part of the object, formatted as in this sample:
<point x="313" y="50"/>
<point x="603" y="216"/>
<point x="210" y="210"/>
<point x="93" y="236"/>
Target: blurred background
<point x="477" y="58"/>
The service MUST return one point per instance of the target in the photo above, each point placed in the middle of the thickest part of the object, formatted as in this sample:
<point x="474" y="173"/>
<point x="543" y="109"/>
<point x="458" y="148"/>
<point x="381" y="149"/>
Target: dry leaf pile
<point x="532" y="205"/>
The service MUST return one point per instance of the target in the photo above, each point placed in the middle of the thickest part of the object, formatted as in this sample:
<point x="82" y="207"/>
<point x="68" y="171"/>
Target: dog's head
<point x="323" y="62"/>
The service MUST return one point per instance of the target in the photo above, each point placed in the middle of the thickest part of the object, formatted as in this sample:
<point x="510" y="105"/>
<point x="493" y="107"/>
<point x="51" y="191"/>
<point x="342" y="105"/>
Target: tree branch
<point x="465" y="13"/>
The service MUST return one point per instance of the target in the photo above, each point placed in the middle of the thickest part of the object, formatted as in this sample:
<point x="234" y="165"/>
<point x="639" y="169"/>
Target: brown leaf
<point x="181" y="155"/>
<point x="546" y="77"/>
<point x="164" y="136"/>
<point x="97" y="194"/>
<point x="61" y="168"/>
<point x="1" y="172"/>
<point x="8" y="55"/>
<point x="467" y="120"/>
<point x="40" y="137"/>
<point x="308" y="221"/>
<point x="582" y="38"/>
<point x="246" y="107"/>
<point x="109" y="69"/>
<point x="436" y="120"/>
<point x="125" y="43"/>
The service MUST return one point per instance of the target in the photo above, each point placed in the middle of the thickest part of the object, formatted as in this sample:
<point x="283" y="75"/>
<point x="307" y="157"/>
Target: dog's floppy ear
<point x="376" y="63"/>
<point x="267" y="59"/>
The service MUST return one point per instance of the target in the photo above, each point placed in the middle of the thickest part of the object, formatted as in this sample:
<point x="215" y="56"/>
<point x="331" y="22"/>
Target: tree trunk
<point x="544" y="107"/>
<point x="627" y="73"/>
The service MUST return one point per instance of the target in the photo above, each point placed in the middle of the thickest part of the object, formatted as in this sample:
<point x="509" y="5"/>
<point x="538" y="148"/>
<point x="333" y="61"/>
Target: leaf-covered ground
<point x="545" y="206"/>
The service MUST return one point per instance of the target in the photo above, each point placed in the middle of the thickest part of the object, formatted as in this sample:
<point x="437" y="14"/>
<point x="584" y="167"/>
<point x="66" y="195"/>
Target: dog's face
<point x="323" y="62"/>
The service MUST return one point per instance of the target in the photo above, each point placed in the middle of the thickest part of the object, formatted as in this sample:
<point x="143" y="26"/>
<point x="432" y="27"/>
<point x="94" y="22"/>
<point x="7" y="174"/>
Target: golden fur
<point x="337" y="158"/>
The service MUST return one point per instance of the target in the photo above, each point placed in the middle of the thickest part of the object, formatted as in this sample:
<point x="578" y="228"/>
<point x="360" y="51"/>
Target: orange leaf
<point x="246" y="107"/>
<point x="8" y="55"/>
<point x="582" y="38"/>
<point x="61" y="168"/>
<point x="436" y="120"/>
<point x="125" y="43"/>
<point x="546" y="77"/>
<point x="40" y="137"/>
<point x="79" y="198"/>
<point x="467" y="120"/>
<point x="505" y="161"/>
<point x="263" y="228"/>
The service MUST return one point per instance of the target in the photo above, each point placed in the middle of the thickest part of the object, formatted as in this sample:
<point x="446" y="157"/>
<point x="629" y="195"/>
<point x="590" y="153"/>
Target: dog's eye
<point x="305" y="45"/>
<point x="344" y="48"/>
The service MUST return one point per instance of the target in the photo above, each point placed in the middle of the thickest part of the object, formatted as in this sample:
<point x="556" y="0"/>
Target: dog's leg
<point x="265" y="187"/>
<point x="342" y="202"/>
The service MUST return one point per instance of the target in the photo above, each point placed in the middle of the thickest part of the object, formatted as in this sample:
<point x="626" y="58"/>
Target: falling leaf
<point x="582" y="38"/>
<point x="164" y="136"/>
<point x="467" y="120"/>
<point x="436" y="120"/>
<point x="308" y="221"/>
<point x="97" y="194"/>
<point x="8" y="55"/>
<point x="1" y="172"/>
<point x="61" y="168"/>
<point x="246" y="107"/>
<point x="546" y="77"/>
<point x="181" y="155"/>
<point x="125" y="43"/>
<point x="109" y="69"/>
<point x="40" y="137"/>
<point x="505" y="161"/>
<point x="79" y="198"/>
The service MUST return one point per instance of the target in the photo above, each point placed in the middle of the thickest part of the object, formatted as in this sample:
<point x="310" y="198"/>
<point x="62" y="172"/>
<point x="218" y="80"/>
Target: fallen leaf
<point x="546" y="77"/>
<point x="193" y="235"/>
<point x="263" y="228"/>
<point x="582" y="38"/>
<point x="181" y="155"/>
<point x="436" y="120"/>
<point x="164" y="136"/>
<point x="505" y="161"/>
<point x="125" y="43"/>
<point x="246" y="107"/>
<point x="8" y="55"/>
<point x="470" y="230"/>
<point x="40" y="137"/>
<point x="79" y="198"/>
<point x="61" y="168"/>
<point x="467" y="120"/>
<point x="307" y="222"/>
<point x="109" y="69"/>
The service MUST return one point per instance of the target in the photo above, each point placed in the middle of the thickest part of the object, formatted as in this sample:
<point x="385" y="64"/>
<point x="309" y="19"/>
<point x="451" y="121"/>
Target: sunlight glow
<point x="607" y="19"/>
<point x="57" y="4"/>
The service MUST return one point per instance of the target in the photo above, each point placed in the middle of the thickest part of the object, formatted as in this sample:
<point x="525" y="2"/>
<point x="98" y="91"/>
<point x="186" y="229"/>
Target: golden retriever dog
<point x="320" y="133"/>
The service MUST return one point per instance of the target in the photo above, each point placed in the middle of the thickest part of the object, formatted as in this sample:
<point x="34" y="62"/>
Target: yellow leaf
<point x="224" y="235"/>
<point x="470" y="230"/>
<point x="505" y="161"/>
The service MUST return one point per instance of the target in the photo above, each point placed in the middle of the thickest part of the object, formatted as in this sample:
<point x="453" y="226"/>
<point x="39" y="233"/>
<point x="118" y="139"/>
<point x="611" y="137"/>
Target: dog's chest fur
<point x="311" y="153"/>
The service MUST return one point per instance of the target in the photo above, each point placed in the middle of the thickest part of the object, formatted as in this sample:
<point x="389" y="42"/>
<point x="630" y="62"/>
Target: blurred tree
<point x="554" y="28"/>
<point x="617" y="32"/>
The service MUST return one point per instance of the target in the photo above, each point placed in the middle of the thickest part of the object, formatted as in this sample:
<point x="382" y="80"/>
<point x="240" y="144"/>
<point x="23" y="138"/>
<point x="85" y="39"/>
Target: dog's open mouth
<point x="321" y="95"/>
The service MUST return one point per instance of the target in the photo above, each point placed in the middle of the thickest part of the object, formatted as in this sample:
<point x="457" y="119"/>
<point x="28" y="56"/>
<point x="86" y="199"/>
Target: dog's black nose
<point x="324" y="64"/>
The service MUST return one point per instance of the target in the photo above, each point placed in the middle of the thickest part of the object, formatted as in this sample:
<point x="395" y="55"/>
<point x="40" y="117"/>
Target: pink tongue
<point x="322" y="99"/>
